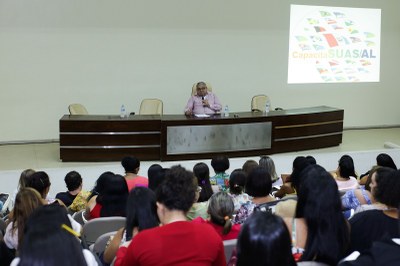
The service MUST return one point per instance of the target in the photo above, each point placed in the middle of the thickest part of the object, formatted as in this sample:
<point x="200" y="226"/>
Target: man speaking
<point x="203" y="102"/>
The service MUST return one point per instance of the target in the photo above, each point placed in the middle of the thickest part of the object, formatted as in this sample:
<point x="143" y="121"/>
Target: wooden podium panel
<point x="149" y="137"/>
<point x="109" y="138"/>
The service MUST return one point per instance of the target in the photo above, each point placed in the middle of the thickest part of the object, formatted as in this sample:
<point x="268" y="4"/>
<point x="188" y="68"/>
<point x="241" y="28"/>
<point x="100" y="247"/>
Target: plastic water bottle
<point x="267" y="106"/>
<point x="123" y="111"/>
<point x="226" y="111"/>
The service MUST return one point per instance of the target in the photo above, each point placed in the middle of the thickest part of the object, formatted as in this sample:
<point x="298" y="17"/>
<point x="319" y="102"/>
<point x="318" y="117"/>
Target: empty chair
<point x="258" y="103"/>
<point x="151" y="107"/>
<point x="77" y="109"/>
<point x="194" y="88"/>
<point x="96" y="227"/>
<point x="229" y="246"/>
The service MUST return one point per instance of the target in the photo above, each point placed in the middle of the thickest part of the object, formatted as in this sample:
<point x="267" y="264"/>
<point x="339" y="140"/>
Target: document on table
<point x="202" y="115"/>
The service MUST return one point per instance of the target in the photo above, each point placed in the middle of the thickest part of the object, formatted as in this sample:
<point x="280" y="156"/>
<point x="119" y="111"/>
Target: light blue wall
<point x="105" y="53"/>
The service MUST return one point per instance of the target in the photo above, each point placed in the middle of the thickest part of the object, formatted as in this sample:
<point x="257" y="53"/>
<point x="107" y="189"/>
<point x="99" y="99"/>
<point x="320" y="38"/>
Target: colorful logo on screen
<point x="339" y="49"/>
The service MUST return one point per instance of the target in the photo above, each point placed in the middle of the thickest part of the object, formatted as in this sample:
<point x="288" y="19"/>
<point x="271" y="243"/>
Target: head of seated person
<point x="41" y="182"/>
<point x="202" y="172"/>
<point x="259" y="185"/>
<point x="50" y="240"/>
<point x="221" y="209"/>
<point x="346" y="167"/>
<point x="264" y="240"/>
<point x="237" y="181"/>
<point x="385" y="160"/>
<point x="385" y="187"/>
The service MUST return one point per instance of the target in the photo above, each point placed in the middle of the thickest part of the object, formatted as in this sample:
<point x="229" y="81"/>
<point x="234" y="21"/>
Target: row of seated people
<point x="317" y="203"/>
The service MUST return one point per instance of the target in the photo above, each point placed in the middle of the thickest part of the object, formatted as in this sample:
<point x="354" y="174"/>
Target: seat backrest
<point x="151" y="107"/>
<point x="78" y="216"/>
<point x="194" y="91"/>
<point x="98" y="226"/>
<point x="101" y="242"/>
<point x="258" y="103"/>
<point x="77" y="109"/>
<point x="229" y="246"/>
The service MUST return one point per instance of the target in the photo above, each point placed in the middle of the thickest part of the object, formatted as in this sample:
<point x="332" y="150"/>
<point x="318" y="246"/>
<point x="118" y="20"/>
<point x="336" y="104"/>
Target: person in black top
<point x="73" y="180"/>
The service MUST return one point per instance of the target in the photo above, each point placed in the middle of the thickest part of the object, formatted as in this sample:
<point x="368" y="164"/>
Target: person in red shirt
<point x="177" y="241"/>
<point x="220" y="209"/>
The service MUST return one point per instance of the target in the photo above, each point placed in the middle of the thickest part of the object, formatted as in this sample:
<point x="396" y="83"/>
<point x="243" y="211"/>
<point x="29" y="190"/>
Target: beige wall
<point x="105" y="53"/>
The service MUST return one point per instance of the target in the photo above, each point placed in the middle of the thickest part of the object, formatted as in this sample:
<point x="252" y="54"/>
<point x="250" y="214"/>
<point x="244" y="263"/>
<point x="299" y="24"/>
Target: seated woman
<point x="237" y="181"/>
<point x="26" y="201"/>
<point x="258" y="186"/>
<point x="132" y="167"/>
<point x="177" y="241"/>
<point x="372" y="225"/>
<point x="345" y="176"/>
<point x="267" y="162"/>
<point x="141" y="214"/>
<point x="319" y="231"/>
<point x="40" y="181"/>
<point x="108" y="197"/>
<point x="50" y="240"/>
<point x="354" y="198"/>
<point x="220" y="182"/>
<point x="264" y="240"/>
<point x="383" y="160"/>
<point x="23" y="180"/>
<point x="248" y="166"/>
<point x="221" y="210"/>
<point x="203" y="193"/>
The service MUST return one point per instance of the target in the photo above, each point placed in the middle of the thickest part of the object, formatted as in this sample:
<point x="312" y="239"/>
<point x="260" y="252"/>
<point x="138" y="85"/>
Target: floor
<point x="363" y="145"/>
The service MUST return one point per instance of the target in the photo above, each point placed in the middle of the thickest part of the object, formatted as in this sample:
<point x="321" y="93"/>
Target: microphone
<point x="202" y="98"/>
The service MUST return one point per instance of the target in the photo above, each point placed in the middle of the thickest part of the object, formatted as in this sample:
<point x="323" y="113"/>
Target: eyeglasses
<point x="199" y="188"/>
<point x="201" y="88"/>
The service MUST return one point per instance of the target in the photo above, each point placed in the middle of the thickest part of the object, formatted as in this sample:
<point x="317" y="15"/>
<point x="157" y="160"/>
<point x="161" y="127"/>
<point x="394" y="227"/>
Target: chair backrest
<point x="258" y="103"/>
<point x="229" y="246"/>
<point x="77" y="109"/>
<point x="151" y="107"/>
<point x="101" y="242"/>
<point x="194" y="91"/>
<point x="98" y="226"/>
<point x="78" y="216"/>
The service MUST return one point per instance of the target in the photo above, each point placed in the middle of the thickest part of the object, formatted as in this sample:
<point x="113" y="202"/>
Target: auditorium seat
<point x="77" y="109"/>
<point x="151" y="107"/>
<point x="258" y="103"/>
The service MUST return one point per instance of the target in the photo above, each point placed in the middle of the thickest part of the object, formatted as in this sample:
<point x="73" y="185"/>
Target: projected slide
<point x="334" y="44"/>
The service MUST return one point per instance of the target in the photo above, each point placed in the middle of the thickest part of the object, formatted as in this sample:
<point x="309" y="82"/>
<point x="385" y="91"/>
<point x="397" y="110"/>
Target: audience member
<point x="372" y="225"/>
<point x="27" y="200"/>
<point x="248" y="166"/>
<point x="73" y="180"/>
<point x="23" y="180"/>
<point x="50" y="240"/>
<point x="198" y="209"/>
<point x="354" y="198"/>
<point x="237" y="182"/>
<point x="383" y="160"/>
<point x="258" y="186"/>
<point x="319" y="231"/>
<point x="132" y="167"/>
<point x="41" y="182"/>
<point x="264" y="241"/>
<point x="141" y="214"/>
<point x="177" y="242"/>
<point x="202" y="173"/>
<point x="153" y="174"/>
<point x="220" y="164"/>
<point x="108" y="197"/>
<point x="267" y="162"/>
<point x="287" y="206"/>
<point x="203" y="102"/>
<point x="345" y="175"/>
<point x="311" y="159"/>
<point x="221" y="210"/>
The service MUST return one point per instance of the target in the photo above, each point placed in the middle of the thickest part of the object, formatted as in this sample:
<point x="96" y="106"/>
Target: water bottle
<point x="226" y="111"/>
<point x="267" y="106"/>
<point x="123" y="111"/>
